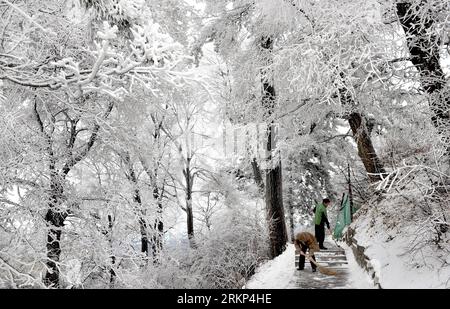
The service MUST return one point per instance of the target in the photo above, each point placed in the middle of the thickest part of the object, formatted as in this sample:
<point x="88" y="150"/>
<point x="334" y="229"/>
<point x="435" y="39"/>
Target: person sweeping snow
<point x="306" y="241"/>
<point x="303" y="242"/>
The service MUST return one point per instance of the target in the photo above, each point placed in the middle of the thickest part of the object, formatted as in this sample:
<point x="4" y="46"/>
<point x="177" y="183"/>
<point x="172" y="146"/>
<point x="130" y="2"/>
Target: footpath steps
<point x="333" y="258"/>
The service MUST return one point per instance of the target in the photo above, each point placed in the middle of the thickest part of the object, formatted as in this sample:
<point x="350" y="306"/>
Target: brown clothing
<point x="308" y="240"/>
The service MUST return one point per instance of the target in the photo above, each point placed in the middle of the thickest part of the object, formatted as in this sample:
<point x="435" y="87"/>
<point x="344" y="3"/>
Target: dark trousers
<point x="301" y="265"/>
<point x="320" y="234"/>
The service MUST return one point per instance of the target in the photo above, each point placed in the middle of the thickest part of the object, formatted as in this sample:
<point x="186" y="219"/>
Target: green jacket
<point x="321" y="216"/>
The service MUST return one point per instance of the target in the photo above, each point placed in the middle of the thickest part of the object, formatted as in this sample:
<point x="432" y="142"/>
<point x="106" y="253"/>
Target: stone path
<point x="333" y="258"/>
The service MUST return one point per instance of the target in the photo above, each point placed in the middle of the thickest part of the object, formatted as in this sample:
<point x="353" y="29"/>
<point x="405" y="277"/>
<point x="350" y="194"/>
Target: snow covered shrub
<point x="418" y="182"/>
<point x="229" y="254"/>
<point x="175" y="270"/>
<point x="405" y="225"/>
<point x="223" y="258"/>
<point x="231" y="240"/>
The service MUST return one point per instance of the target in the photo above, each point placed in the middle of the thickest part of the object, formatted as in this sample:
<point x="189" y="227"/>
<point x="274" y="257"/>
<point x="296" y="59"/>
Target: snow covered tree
<point x="72" y="87"/>
<point x="423" y="23"/>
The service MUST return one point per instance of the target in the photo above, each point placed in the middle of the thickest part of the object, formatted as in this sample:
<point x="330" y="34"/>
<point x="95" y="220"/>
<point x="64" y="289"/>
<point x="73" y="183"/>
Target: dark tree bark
<point x="158" y="193"/>
<point x="189" y="179"/>
<point x="274" y="196"/>
<point x="54" y="218"/>
<point x="254" y="163"/>
<point x="143" y="229"/>
<point x="112" y="278"/>
<point x="423" y="46"/>
<point x="55" y="221"/>
<point x="56" y="215"/>
<point x="366" y="151"/>
<point x="275" y="211"/>
<point x="158" y="226"/>
<point x="257" y="175"/>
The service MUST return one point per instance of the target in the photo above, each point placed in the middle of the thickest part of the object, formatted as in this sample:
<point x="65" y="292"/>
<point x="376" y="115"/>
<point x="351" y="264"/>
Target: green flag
<point x="343" y="218"/>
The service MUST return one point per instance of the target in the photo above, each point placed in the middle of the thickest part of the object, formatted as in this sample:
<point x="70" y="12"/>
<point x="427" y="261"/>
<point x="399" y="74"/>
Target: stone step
<point x="343" y="265"/>
<point x="328" y="265"/>
<point x="336" y="267"/>
<point x="332" y="253"/>
<point x="332" y="248"/>
<point x="334" y="258"/>
<point x="327" y="262"/>
<point x="328" y="252"/>
<point x="332" y="262"/>
<point x="328" y="256"/>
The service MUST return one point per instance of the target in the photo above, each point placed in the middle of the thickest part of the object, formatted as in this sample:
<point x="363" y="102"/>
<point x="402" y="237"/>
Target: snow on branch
<point x="402" y="175"/>
<point x="151" y="55"/>
<point x="21" y="12"/>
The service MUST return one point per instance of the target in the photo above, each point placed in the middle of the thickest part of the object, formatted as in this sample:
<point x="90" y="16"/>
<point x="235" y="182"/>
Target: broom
<point x="322" y="269"/>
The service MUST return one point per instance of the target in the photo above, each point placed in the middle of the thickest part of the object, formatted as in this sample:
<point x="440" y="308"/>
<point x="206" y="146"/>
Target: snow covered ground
<point x="278" y="273"/>
<point x="401" y="251"/>
<point x="358" y="279"/>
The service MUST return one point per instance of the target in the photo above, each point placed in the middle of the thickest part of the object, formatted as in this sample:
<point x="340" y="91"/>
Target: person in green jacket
<point x="320" y="219"/>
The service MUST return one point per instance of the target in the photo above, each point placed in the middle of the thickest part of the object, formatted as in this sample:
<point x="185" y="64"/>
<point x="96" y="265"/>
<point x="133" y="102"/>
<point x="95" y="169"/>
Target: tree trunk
<point x="143" y="230"/>
<point x="274" y="196"/>
<point x="257" y="175"/>
<point x="112" y="279"/>
<point x="366" y="151"/>
<point x="158" y="193"/>
<point x="55" y="216"/>
<point x="55" y="222"/>
<point x="255" y="166"/>
<point x="158" y="227"/>
<point x="142" y="224"/>
<point x="275" y="211"/>
<point x="139" y="211"/>
<point x="423" y="46"/>
<point x="190" y="221"/>
<point x="361" y="134"/>
<point x="141" y="220"/>
<point x="189" y="213"/>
